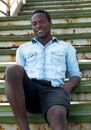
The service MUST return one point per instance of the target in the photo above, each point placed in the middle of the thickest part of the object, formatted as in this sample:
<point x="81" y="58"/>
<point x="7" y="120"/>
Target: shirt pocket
<point x="31" y="59"/>
<point x="57" y="58"/>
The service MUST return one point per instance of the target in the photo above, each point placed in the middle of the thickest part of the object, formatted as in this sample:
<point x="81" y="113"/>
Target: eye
<point x="42" y="22"/>
<point x="34" y="24"/>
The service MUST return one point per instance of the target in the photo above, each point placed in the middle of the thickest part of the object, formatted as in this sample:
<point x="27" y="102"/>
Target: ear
<point x="50" y="24"/>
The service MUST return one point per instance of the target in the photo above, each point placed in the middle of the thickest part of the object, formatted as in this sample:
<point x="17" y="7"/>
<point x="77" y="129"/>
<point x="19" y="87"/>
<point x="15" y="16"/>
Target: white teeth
<point x="40" y="31"/>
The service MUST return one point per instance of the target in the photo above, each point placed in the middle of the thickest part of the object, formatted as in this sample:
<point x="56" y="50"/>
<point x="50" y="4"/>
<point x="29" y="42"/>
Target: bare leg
<point x="15" y="94"/>
<point x="56" y="117"/>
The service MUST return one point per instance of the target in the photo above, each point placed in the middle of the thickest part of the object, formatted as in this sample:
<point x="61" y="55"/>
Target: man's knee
<point x="15" y="71"/>
<point x="57" y="111"/>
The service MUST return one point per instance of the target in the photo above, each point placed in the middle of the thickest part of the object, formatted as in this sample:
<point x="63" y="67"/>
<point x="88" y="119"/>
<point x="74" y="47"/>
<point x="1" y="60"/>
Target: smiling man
<point x="36" y="83"/>
<point x="41" y="27"/>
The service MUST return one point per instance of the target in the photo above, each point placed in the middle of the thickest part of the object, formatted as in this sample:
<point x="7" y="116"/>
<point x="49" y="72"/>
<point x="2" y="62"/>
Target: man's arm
<point x="73" y="82"/>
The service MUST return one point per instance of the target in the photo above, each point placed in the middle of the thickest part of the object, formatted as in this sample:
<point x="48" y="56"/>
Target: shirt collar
<point x="54" y="39"/>
<point x="34" y="40"/>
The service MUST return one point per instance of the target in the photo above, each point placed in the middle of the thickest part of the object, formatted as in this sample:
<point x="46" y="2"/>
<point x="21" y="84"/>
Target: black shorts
<point x="41" y="95"/>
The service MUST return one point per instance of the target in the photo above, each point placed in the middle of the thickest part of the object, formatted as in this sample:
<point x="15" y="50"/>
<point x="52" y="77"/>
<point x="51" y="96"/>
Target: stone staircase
<point x="71" y="22"/>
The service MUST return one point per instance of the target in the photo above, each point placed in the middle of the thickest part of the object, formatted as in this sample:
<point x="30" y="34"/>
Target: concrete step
<point x="60" y="10"/>
<point x="64" y="4"/>
<point x="62" y="28"/>
<point x="62" y="1"/>
<point x="80" y="117"/>
<point x="85" y="68"/>
<point x="60" y="31"/>
<point x="54" y="16"/>
<point x="75" y="39"/>
<point x="80" y="93"/>
<point x="28" y="11"/>
<point x="12" y="43"/>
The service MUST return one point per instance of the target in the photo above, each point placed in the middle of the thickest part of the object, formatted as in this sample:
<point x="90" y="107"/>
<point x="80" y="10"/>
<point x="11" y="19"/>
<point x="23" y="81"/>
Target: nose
<point x="38" y="25"/>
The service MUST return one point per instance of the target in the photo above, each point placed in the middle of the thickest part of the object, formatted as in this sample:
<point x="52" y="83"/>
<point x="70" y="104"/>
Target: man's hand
<point x="73" y="82"/>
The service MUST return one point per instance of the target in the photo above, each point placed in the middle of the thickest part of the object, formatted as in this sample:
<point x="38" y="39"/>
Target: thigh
<point x="31" y="95"/>
<point x="51" y="96"/>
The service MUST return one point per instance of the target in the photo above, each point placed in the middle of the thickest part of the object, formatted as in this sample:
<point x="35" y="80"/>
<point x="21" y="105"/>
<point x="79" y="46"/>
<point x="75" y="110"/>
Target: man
<point x="36" y="83"/>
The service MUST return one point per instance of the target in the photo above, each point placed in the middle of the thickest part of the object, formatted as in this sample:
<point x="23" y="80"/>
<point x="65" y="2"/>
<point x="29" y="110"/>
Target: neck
<point x="44" y="41"/>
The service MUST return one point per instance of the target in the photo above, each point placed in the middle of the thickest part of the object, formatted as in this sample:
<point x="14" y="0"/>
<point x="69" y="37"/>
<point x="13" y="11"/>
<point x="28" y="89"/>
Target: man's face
<point x="40" y="25"/>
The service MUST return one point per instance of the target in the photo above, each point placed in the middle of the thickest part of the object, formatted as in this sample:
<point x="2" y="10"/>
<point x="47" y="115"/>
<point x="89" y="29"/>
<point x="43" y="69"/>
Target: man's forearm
<point x="73" y="82"/>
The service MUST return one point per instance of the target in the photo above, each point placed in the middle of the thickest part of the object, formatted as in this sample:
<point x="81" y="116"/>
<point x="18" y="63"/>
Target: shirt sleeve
<point x="72" y="63"/>
<point x="19" y="57"/>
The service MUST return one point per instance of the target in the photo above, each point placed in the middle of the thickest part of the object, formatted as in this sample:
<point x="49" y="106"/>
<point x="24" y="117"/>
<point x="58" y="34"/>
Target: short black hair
<point x="43" y="11"/>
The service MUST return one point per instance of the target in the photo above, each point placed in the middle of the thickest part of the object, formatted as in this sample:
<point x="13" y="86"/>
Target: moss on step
<point x="79" y="113"/>
<point x="84" y="87"/>
<point x="54" y="16"/>
<point x="57" y="7"/>
<point x="83" y="49"/>
<point x="12" y="51"/>
<point x="54" y="26"/>
<point x="29" y="11"/>
<point x="63" y="13"/>
<point x="83" y="66"/>
<point x="58" y="1"/>
<point x="59" y="36"/>
<point x="7" y="51"/>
